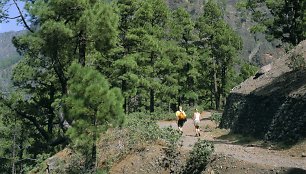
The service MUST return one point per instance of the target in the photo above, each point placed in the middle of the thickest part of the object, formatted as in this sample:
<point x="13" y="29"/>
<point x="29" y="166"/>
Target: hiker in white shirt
<point x="196" y="120"/>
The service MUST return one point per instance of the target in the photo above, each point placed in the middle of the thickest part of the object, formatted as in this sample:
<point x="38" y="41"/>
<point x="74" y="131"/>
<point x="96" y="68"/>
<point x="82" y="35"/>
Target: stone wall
<point x="273" y="106"/>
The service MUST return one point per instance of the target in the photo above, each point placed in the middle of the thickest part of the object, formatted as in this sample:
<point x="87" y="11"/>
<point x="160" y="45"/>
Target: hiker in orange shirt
<point x="181" y="118"/>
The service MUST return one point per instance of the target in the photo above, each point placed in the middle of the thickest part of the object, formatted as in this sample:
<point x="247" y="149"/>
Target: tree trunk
<point x="20" y="152"/>
<point x="173" y="107"/>
<point x="94" y="157"/>
<point x="82" y="47"/>
<point x="51" y="111"/>
<point x="63" y="122"/>
<point x="50" y="124"/>
<point x="191" y="102"/>
<point x="217" y="99"/>
<point x="125" y="105"/>
<point x="223" y="83"/>
<point x="58" y="68"/>
<point x="14" y="149"/>
<point x="123" y="89"/>
<point x="216" y="92"/>
<point x="151" y="100"/>
<point x="93" y="161"/>
<point x="179" y="101"/>
<point x="211" y="95"/>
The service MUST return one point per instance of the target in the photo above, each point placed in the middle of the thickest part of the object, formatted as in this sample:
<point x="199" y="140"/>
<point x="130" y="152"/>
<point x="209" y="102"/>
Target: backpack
<point x="181" y="116"/>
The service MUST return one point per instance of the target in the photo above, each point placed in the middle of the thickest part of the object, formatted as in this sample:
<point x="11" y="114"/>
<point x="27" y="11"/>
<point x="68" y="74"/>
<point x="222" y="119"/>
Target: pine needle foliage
<point x="93" y="106"/>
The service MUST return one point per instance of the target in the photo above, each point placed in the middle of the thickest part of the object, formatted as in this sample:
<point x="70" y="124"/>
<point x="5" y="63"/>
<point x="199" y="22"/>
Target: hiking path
<point x="251" y="153"/>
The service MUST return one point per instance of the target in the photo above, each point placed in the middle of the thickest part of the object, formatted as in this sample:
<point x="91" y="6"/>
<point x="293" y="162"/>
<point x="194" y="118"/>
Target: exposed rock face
<point x="256" y="48"/>
<point x="273" y="105"/>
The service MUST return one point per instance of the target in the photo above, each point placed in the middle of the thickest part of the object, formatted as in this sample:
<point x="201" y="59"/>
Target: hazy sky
<point x="12" y="24"/>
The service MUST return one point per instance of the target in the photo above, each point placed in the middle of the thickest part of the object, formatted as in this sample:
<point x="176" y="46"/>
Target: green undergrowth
<point x="162" y="115"/>
<point x="139" y="132"/>
<point x="216" y="117"/>
<point x="199" y="157"/>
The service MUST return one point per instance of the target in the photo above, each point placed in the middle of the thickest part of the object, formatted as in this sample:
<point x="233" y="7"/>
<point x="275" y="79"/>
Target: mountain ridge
<point x="7" y="49"/>
<point x="8" y="57"/>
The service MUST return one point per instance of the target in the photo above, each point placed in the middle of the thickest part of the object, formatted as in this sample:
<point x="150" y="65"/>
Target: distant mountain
<point x="8" y="57"/>
<point x="7" y="48"/>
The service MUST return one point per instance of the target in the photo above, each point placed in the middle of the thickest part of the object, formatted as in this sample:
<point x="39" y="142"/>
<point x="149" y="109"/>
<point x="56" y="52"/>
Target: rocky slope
<point x="272" y="104"/>
<point x="256" y="48"/>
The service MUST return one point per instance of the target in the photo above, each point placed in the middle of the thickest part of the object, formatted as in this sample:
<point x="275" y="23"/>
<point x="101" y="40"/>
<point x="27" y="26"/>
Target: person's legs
<point x="197" y="127"/>
<point x="180" y="125"/>
<point x="181" y="129"/>
<point x="198" y="130"/>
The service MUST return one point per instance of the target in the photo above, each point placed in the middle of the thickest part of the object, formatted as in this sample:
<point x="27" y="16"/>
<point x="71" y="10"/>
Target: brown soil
<point x="140" y="162"/>
<point x="231" y="155"/>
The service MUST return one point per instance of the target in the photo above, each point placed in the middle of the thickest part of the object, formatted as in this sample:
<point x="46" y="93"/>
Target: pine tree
<point x="168" y="68"/>
<point x="125" y="67"/>
<point x="65" y="31"/>
<point x="142" y="31"/>
<point x="283" y="19"/>
<point x="93" y="106"/>
<point x="15" y="139"/>
<point x="151" y="18"/>
<point x="182" y="31"/>
<point x="221" y="44"/>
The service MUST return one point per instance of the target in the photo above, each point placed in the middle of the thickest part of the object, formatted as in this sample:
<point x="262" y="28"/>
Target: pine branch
<point x="32" y="119"/>
<point x="6" y="17"/>
<point x="22" y="17"/>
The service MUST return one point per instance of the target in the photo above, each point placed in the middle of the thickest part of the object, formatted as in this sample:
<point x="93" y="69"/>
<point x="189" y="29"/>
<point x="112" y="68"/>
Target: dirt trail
<point x="247" y="152"/>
